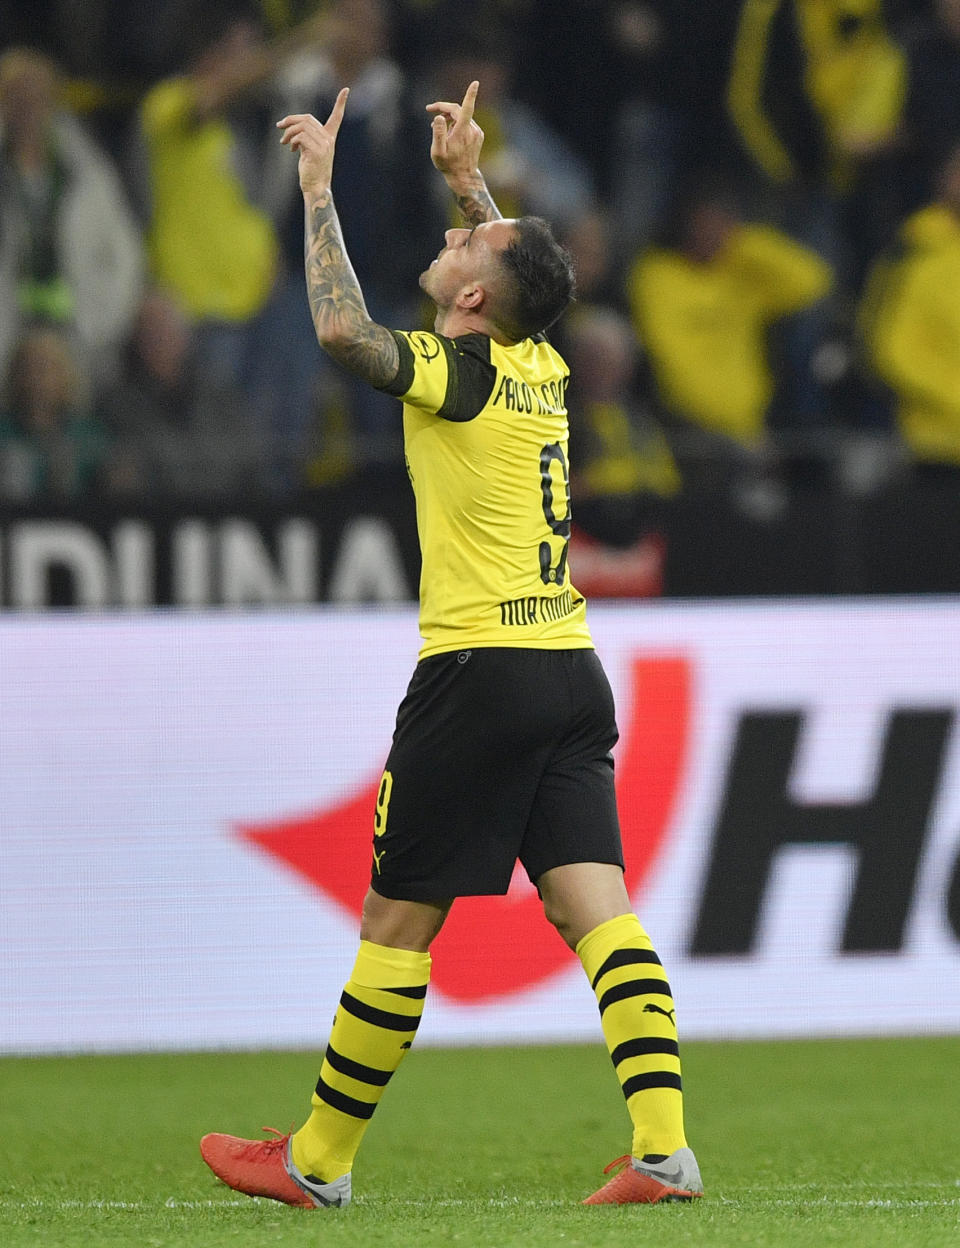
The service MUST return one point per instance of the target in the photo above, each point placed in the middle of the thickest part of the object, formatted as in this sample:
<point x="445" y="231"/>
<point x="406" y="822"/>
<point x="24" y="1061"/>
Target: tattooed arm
<point x="476" y="203"/>
<point x="455" y="150"/>
<point x="344" y="327"/>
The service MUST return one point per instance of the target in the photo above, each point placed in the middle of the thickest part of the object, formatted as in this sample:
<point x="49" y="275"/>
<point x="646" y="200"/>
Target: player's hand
<point x="457" y="139"/>
<point x="315" y="144"/>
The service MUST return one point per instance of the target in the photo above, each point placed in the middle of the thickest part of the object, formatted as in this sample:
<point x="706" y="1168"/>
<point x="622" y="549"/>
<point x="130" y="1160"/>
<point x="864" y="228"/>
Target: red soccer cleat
<point x="638" y="1182"/>
<point x="265" y="1168"/>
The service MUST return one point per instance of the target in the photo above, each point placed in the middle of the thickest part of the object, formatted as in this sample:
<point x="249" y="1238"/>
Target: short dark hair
<point x="542" y="280"/>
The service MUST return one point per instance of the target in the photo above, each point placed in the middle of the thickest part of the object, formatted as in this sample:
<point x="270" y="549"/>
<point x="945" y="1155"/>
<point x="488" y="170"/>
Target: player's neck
<point x="454" y="322"/>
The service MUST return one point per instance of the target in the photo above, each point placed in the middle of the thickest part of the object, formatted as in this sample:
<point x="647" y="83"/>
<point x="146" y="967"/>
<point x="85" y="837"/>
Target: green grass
<point x="816" y="1143"/>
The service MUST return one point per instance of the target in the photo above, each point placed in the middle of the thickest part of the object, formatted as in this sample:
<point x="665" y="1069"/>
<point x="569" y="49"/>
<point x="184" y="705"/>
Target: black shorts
<point x="498" y="754"/>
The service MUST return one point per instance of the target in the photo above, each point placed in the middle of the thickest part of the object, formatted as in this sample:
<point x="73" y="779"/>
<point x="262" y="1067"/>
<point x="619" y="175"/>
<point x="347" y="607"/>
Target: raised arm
<point x="343" y="325"/>
<point x="245" y="61"/>
<point x="455" y="150"/>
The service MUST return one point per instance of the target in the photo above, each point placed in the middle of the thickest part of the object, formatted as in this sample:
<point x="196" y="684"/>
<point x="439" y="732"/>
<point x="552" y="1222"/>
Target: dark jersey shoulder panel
<point x="470" y="374"/>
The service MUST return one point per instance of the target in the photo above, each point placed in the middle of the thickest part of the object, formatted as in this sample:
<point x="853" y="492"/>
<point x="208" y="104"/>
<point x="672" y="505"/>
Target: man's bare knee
<point x="401" y="924"/>
<point x="582" y="895"/>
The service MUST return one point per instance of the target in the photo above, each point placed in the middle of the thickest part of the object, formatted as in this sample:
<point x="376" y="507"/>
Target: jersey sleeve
<point x="448" y="377"/>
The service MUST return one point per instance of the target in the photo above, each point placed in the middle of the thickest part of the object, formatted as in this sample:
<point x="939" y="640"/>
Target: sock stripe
<point x="645" y="1046"/>
<point x="345" y="1104"/>
<point x="379" y="1018"/>
<point x="635" y="988"/>
<point x="356" y="1070"/>
<point x="415" y="993"/>
<point x="625" y="957"/>
<point x="655" y="1079"/>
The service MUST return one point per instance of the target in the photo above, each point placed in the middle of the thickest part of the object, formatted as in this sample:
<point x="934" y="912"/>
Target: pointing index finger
<point x="469" y="100"/>
<point x="336" y="113"/>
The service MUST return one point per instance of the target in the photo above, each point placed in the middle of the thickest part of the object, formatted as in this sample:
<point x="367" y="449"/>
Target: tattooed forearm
<point x="344" y="327"/>
<point x="476" y="204"/>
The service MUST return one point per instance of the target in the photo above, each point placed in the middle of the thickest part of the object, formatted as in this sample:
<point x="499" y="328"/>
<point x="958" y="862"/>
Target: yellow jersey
<point x="485" y="435"/>
<point x="207" y="242"/>
<point x="705" y="325"/>
<point x="910" y="319"/>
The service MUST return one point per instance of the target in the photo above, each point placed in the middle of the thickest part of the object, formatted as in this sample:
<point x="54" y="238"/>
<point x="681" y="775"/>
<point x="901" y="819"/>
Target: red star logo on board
<point x="331" y="848"/>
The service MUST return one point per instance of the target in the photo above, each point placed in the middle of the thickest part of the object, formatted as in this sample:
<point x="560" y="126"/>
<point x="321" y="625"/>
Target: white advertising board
<point x="186" y="806"/>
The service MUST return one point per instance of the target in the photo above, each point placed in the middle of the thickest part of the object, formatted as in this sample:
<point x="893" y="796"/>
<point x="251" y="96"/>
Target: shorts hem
<point x="433" y="896"/>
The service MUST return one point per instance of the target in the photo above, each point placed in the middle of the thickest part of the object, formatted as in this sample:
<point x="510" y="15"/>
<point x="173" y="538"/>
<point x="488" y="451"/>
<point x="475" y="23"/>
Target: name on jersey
<point x="547" y="399"/>
<point x="537" y="609"/>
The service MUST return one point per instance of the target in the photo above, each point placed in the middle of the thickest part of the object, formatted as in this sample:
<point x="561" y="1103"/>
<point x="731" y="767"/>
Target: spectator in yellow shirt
<point x="910" y="318"/>
<point x="702" y="309"/>
<point x="210" y="243"/>
<point x="815" y="94"/>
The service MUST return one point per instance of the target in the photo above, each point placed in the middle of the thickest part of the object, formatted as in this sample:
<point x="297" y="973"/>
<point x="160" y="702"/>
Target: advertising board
<point x="186" y="806"/>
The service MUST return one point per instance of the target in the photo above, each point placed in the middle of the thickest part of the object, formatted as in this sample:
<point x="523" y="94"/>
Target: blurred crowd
<point x="762" y="199"/>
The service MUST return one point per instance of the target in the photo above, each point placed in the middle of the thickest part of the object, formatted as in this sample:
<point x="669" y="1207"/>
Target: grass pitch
<point x="814" y="1143"/>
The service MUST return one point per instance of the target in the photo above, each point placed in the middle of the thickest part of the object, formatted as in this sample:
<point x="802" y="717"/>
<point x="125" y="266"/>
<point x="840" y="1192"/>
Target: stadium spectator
<point x="640" y="101"/>
<point x="52" y="448"/>
<point x="321" y="418"/>
<point x="70" y="251"/>
<point x="178" y="432"/>
<point x="209" y="242"/>
<point x="840" y="82"/>
<point x="932" y="111"/>
<point x="589" y="240"/>
<point x="623" y="465"/>
<point x="911" y="324"/>
<point x="703" y="306"/>
<point x="651" y="126"/>
<point x="622" y="468"/>
<point x="815" y="93"/>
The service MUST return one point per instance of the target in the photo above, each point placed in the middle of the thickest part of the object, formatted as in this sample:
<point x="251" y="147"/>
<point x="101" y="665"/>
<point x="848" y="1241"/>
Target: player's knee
<point x="558" y="914"/>
<point x="401" y="924"/>
<point x="579" y="896"/>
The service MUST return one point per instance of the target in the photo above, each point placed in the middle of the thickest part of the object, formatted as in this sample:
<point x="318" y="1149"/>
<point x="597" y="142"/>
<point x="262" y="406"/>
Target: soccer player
<point x="502" y="743"/>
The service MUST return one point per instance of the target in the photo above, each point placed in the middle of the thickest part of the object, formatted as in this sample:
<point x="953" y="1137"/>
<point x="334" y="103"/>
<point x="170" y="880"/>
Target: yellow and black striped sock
<point x="639" y="1025"/>
<point x="373" y="1029"/>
